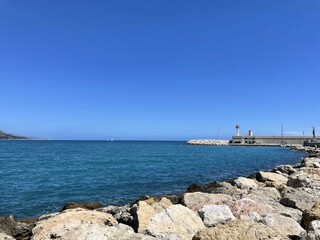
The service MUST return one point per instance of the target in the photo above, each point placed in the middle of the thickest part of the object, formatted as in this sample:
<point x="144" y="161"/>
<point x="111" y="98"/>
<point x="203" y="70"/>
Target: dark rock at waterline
<point x="194" y="188"/>
<point x="84" y="205"/>
<point x="17" y="229"/>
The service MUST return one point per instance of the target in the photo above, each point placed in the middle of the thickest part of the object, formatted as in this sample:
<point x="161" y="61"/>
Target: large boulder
<point x="75" y="223"/>
<point x="285" y="225"/>
<point x="314" y="231"/>
<point x="297" y="198"/>
<point x="213" y="215"/>
<point x="272" y="177"/>
<point x="17" y="229"/>
<point x="143" y="212"/>
<point x="195" y="201"/>
<point x="175" y="222"/>
<point x="239" y="230"/>
<point x="271" y="197"/>
<point x="311" y="215"/>
<point x="245" y="183"/>
<point x="246" y="206"/>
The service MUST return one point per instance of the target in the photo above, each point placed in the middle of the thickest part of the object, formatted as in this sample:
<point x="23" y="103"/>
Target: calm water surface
<point x="38" y="177"/>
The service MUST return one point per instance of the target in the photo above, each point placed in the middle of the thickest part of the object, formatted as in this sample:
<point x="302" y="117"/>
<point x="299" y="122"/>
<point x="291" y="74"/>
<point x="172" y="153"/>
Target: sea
<point x="39" y="177"/>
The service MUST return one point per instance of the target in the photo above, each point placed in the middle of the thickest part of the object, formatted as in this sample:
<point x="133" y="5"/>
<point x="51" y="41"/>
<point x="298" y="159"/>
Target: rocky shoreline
<point x="278" y="204"/>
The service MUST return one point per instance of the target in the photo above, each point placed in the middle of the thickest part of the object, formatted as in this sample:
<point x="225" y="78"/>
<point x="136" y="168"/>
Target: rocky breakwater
<point x="209" y="142"/>
<point x="278" y="204"/>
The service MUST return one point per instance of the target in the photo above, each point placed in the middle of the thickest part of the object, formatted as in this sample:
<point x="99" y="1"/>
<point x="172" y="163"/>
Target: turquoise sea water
<point x="38" y="177"/>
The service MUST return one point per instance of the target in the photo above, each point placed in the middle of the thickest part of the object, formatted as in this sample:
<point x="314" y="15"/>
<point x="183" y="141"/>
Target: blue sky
<point x="150" y="69"/>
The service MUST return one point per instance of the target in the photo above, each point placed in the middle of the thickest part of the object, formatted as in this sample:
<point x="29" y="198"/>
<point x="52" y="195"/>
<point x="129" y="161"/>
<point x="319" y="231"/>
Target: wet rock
<point x="195" y="201"/>
<point x="245" y="183"/>
<point x="17" y="229"/>
<point x="75" y="223"/>
<point x="213" y="215"/>
<point x="272" y="177"/>
<point x="194" y="188"/>
<point x="298" y="179"/>
<point x="239" y="230"/>
<point x="314" y="231"/>
<point x="297" y="198"/>
<point x="84" y="205"/>
<point x="311" y="215"/>
<point x="175" y="222"/>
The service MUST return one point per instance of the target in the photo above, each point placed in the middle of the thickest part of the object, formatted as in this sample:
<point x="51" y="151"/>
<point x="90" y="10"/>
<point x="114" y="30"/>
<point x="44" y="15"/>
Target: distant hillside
<point x="6" y="136"/>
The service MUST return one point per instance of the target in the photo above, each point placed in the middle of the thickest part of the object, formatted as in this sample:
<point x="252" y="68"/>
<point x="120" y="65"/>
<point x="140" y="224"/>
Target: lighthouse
<point x="238" y="130"/>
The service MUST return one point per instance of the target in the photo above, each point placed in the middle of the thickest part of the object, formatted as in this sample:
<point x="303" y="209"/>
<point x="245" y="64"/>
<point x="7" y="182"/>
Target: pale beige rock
<point x="146" y="211"/>
<point x="239" y="230"/>
<point x="285" y="225"/>
<point x="272" y="177"/>
<point x="311" y="162"/>
<point x="197" y="200"/>
<point x="144" y="214"/>
<point x="74" y="224"/>
<point x="4" y="236"/>
<point x="175" y="222"/>
<point x="213" y="215"/>
<point x="298" y="198"/>
<point x="245" y="183"/>
<point x="271" y="197"/>
<point x="246" y="206"/>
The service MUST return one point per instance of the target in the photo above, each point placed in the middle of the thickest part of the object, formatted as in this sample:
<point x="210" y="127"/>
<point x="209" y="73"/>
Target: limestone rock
<point x="285" y="225"/>
<point x="297" y="198"/>
<point x="143" y="212"/>
<point x="4" y="236"/>
<point x="245" y="183"/>
<point x="314" y="231"/>
<point x="197" y="200"/>
<point x="272" y="177"/>
<point x="298" y="179"/>
<point x="313" y="162"/>
<point x="75" y="223"/>
<point x="286" y="169"/>
<point x="311" y="215"/>
<point x="213" y="215"/>
<point x="175" y="222"/>
<point x="238" y="230"/>
<point x="245" y="206"/>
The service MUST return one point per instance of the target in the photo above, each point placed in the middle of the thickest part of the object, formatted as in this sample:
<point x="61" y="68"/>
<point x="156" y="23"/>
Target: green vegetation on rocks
<point x="6" y="136"/>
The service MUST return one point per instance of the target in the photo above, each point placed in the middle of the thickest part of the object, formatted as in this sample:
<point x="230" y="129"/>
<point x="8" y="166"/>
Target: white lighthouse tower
<point x="238" y="130"/>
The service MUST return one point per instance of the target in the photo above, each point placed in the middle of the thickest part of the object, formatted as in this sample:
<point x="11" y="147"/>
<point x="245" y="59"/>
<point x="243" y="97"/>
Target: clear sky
<point x="158" y="69"/>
